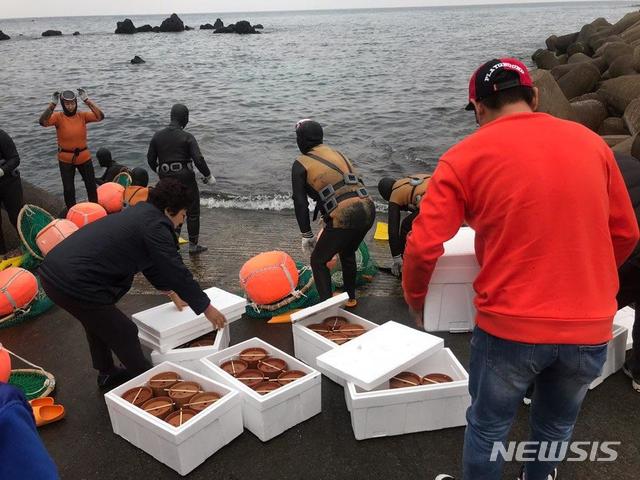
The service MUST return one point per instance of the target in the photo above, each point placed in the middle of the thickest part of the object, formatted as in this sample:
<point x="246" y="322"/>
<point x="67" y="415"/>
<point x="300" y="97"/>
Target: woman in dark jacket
<point x="90" y="271"/>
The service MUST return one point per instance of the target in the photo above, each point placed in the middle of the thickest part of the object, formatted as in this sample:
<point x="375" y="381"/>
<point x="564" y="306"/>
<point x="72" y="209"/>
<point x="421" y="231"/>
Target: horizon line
<point x="225" y="12"/>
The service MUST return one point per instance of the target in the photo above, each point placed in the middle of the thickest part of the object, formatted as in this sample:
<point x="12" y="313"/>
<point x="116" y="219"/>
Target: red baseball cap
<point x="488" y="80"/>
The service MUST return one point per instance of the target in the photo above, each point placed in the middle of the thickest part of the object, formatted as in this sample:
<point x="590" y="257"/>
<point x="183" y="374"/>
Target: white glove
<point x="396" y="268"/>
<point x="308" y="244"/>
<point x="1" y="173"/>
<point x="55" y="98"/>
<point x="82" y="93"/>
<point x="210" y="180"/>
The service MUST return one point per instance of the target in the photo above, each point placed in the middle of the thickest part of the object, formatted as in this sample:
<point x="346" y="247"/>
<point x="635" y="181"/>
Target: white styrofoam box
<point x="267" y="416"/>
<point x="616" y="352"/>
<point x="181" y="448"/>
<point x="449" y="303"/>
<point x="384" y="412"/>
<point x="190" y="357"/>
<point x="379" y="354"/>
<point x="166" y="320"/>
<point x="625" y="318"/>
<point x="307" y="344"/>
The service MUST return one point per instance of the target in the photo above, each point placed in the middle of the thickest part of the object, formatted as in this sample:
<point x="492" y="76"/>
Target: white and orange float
<point x="85" y="213"/>
<point x="54" y="233"/>
<point x="269" y="277"/>
<point x="18" y="288"/>
<point x="111" y="196"/>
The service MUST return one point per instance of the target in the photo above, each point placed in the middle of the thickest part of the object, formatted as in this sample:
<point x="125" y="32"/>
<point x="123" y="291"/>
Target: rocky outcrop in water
<point x="207" y="26"/>
<point x="52" y="33"/>
<point x="75" y="34"/>
<point x="593" y="77"/>
<point x="125" y="27"/>
<point x="172" y="24"/>
<point x="218" y="24"/>
<point x="4" y="36"/>
<point x="242" y="27"/>
<point x="144" y="29"/>
<point x="137" y="60"/>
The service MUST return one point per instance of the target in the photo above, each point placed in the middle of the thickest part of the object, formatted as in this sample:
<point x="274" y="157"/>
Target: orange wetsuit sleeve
<point x="89" y="117"/>
<point x="53" y="120"/>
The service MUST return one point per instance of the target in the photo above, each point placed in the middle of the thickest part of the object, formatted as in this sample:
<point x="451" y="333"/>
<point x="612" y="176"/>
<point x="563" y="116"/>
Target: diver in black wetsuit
<point x="112" y="168"/>
<point x="173" y="153"/>
<point x="10" y="184"/>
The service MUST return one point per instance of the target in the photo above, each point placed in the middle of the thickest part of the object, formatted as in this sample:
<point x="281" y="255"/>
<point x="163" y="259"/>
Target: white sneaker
<point x="551" y="476"/>
<point x="635" y="382"/>
<point x="444" y="476"/>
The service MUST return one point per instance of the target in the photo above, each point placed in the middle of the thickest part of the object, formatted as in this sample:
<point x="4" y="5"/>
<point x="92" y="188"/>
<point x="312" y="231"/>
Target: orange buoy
<point x="54" y="233"/>
<point x="5" y="365"/>
<point x="86" y="212"/>
<point x="18" y="288"/>
<point x="135" y="194"/>
<point x="269" y="277"/>
<point x="111" y="196"/>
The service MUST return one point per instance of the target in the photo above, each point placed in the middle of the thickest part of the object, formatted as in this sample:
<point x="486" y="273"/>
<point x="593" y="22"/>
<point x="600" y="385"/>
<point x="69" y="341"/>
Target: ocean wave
<point x="276" y="202"/>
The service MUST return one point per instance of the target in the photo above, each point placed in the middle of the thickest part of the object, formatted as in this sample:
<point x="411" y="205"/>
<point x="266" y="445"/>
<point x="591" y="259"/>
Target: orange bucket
<point x="86" y="212"/>
<point x="269" y="277"/>
<point x="54" y="233"/>
<point x="18" y="288"/>
<point x="135" y="194"/>
<point x="111" y="196"/>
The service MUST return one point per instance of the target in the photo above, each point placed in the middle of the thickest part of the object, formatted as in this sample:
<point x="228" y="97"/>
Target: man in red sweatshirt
<point x="553" y="221"/>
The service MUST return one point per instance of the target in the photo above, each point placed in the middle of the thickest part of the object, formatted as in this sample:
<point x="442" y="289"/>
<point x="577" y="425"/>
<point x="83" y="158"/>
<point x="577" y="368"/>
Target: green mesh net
<point x="31" y="220"/>
<point x="309" y="297"/>
<point x="124" y="179"/>
<point x="37" y="307"/>
<point x="367" y="268"/>
<point x="33" y="383"/>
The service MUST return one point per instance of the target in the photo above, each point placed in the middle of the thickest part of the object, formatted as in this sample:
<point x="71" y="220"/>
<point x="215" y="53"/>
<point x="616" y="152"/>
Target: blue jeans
<point x="500" y="373"/>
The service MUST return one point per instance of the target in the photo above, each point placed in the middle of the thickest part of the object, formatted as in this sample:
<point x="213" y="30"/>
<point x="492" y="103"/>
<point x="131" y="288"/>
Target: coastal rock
<point x="187" y="28"/>
<point x="600" y="38"/>
<point x="243" y="27"/>
<point x="75" y="34"/>
<point x="125" y="27"/>
<point x="620" y="92"/>
<point x="579" y="80"/>
<point x="218" y="24"/>
<point x="231" y="28"/>
<point x="563" y="59"/>
<point x="579" y="58"/>
<point x="613" y="126"/>
<point x="156" y="29"/>
<point x="601" y="22"/>
<point x="144" y="29"/>
<point x="578" y="47"/>
<point x="631" y="35"/>
<point x="137" y="60"/>
<point x="545" y="59"/>
<point x="586" y="32"/>
<point x="635" y="147"/>
<point x="631" y="117"/>
<point x="52" y="33"/>
<point x="619" y="143"/>
<point x="258" y="26"/>
<point x="625" y="22"/>
<point x="207" y="26"/>
<point x="590" y="113"/>
<point x="587" y="96"/>
<point x="550" y="42"/>
<point x="621" y="66"/>
<point x="601" y="64"/>
<point x="552" y="100"/>
<point x="626" y="146"/>
<point x="4" y="36"/>
<point x="561" y="70"/>
<point x="612" y="50"/>
<point x="562" y="42"/>
<point x="172" y="24"/>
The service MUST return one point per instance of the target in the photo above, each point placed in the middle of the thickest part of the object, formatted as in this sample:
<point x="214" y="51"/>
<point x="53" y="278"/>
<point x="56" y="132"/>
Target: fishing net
<point x="367" y="268"/>
<point x="306" y="296"/>
<point x="40" y="304"/>
<point x="34" y="382"/>
<point x="31" y="220"/>
<point x="124" y="179"/>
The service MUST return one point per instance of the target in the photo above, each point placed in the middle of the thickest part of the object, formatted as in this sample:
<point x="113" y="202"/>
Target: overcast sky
<point x="63" y="8"/>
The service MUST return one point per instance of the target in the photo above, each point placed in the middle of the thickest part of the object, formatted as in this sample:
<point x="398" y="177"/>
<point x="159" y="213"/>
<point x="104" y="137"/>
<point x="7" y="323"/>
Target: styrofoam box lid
<point x="380" y="353"/>
<point x="165" y="320"/>
<point x="459" y="263"/>
<point x="625" y="317"/>
<point x="337" y="301"/>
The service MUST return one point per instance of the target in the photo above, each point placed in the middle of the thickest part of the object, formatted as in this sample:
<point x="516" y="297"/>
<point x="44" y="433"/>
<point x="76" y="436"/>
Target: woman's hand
<point x="215" y="317"/>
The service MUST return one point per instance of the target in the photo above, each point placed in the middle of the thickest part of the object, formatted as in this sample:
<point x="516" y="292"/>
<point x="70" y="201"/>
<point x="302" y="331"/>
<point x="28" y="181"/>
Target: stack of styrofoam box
<point x="164" y="327"/>
<point x="267" y="416"/>
<point x="307" y="344"/>
<point x="368" y="362"/>
<point x="181" y="448"/>
<point x="616" y="350"/>
<point x="625" y="318"/>
<point x="449" y="303"/>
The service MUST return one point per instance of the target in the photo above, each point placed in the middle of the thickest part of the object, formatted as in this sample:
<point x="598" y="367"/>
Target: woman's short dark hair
<point x="170" y="194"/>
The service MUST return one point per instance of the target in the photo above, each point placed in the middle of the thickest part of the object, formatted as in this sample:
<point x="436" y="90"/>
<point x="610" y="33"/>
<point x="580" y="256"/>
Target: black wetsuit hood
<point x="139" y="177"/>
<point x="68" y="95"/>
<point x="385" y="187"/>
<point x="179" y="115"/>
<point x="309" y="134"/>
<point x="104" y="157"/>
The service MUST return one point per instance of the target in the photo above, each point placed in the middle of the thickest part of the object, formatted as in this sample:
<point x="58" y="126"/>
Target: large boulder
<point x="601" y="22"/>
<point x="231" y="28"/>
<point x="579" y="47"/>
<point x="620" y="92"/>
<point x="4" y="36"/>
<point x="631" y="35"/>
<point x="156" y="29"/>
<point x="626" y="145"/>
<point x="207" y="26"/>
<point x="578" y="58"/>
<point x="590" y="113"/>
<point x="144" y="29"/>
<point x="625" y="22"/>
<point x="187" y="28"/>
<point x="581" y="79"/>
<point x="218" y="24"/>
<point x="125" y="27"/>
<point x="601" y="37"/>
<point x="613" y="126"/>
<point x="137" y="60"/>
<point x="612" y="50"/>
<point x="52" y="33"/>
<point x="172" y="24"/>
<point x="621" y="66"/>
<point x="75" y="34"/>
<point x="635" y="147"/>
<point x="561" y="70"/>
<point x="631" y="117"/>
<point x="545" y="59"/>
<point x="552" y="100"/>
<point x="243" y="27"/>
<point x="561" y="43"/>
<point x="258" y="26"/>
<point x="621" y="143"/>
